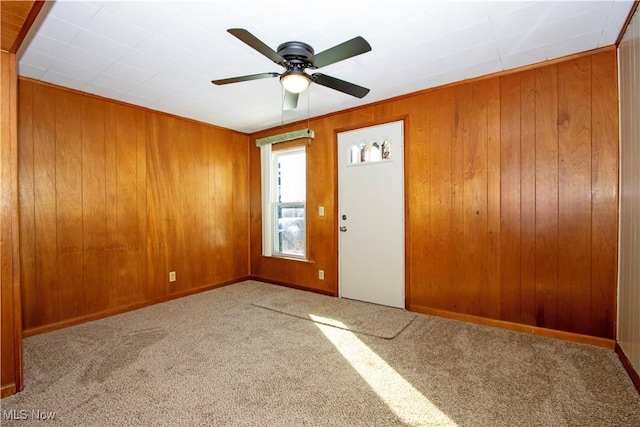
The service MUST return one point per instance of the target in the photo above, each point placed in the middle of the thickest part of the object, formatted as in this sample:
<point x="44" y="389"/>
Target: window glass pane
<point x="288" y="178"/>
<point x="291" y="185"/>
<point x="369" y="152"/>
<point x="290" y="233"/>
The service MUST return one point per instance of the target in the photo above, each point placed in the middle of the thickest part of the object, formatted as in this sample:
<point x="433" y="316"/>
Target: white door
<point x="371" y="214"/>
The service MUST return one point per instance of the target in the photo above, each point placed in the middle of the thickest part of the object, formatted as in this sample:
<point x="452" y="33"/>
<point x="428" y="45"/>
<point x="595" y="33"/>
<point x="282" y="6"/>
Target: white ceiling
<point x="164" y="54"/>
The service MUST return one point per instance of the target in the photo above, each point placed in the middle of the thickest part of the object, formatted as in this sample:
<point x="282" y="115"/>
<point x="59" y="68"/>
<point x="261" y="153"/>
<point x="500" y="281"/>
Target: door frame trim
<point x="336" y="237"/>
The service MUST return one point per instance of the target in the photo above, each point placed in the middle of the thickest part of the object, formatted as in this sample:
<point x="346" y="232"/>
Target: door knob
<point x="343" y="228"/>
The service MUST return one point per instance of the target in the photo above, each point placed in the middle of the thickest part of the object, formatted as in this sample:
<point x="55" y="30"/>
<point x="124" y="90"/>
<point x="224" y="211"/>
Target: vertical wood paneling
<point x="629" y="298"/>
<point x="440" y="172"/>
<point x="418" y="199"/>
<point x="510" y="196"/>
<point x="458" y="264"/>
<point x="546" y="197"/>
<point x="45" y="311"/>
<point x="499" y="189"/>
<point x="240" y="250"/>
<point x="112" y="274"/>
<point x="11" y="369"/>
<point x="574" y="194"/>
<point x="27" y="205"/>
<point x="527" y="199"/>
<point x="146" y="288"/>
<point x="115" y="202"/>
<point x="473" y="201"/>
<point x="126" y="209"/>
<point x="604" y="123"/>
<point x="492" y="295"/>
<point x="68" y="194"/>
<point x="94" y="233"/>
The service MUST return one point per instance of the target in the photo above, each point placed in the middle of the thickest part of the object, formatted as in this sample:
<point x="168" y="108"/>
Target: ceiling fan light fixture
<point x="295" y="81"/>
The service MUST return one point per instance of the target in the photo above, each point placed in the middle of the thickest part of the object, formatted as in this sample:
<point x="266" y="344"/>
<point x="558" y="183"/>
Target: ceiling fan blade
<point x="340" y="85"/>
<point x="345" y="50"/>
<point x="256" y="43"/>
<point x="290" y="101"/>
<point x="244" y="78"/>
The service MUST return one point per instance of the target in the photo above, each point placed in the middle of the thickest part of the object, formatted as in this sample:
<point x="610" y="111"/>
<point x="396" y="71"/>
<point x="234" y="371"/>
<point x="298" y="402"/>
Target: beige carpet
<point x="217" y="359"/>
<point x="354" y="316"/>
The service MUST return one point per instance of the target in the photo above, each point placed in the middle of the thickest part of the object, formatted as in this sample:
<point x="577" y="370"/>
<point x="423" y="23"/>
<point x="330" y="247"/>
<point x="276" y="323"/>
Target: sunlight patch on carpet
<point x="407" y="403"/>
<point x="355" y="316"/>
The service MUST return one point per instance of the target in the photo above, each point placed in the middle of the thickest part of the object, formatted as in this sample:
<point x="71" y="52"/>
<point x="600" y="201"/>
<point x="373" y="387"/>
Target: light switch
<point x="321" y="210"/>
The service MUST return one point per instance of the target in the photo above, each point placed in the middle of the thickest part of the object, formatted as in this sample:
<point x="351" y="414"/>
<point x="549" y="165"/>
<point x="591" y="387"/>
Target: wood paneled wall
<point x="16" y="17"/>
<point x="113" y="197"/>
<point x="11" y="350"/>
<point x="629" y="298"/>
<point x="511" y="197"/>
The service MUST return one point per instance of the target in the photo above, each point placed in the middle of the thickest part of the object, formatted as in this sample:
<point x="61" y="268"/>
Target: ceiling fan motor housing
<point x="297" y="54"/>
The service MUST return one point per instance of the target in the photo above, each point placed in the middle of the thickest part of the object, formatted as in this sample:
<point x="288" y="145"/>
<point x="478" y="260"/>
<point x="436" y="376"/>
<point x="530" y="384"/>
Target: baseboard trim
<point x="292" y="285"/>
<point x="626" y="363"/>
<point x="107" y="313"/>
<point x="518" y="327"/>
<point x="8" y="390"/>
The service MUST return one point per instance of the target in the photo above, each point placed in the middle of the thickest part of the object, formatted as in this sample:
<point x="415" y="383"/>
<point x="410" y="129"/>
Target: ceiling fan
<point x="296" y="57"/>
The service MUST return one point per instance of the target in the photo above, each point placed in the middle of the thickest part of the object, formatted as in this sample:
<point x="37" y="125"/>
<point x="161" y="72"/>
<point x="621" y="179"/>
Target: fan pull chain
<point x="282" y="93"/>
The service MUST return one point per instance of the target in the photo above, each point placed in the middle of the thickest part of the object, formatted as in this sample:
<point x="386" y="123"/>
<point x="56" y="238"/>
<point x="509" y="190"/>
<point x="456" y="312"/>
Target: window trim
<point x="269" y="205"/>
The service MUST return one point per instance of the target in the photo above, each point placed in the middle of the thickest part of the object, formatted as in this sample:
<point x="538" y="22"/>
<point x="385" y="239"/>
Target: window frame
<point x="270" y="224"/>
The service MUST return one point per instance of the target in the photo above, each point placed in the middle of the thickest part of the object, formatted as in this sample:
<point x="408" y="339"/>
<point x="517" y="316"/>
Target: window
<point x="284" y="219"/>
<point x="369" y="153"/>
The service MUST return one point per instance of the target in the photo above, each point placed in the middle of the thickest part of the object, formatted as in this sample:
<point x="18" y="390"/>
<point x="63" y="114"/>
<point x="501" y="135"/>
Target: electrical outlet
<point x="321" y="274"/>
<point x="172" y="276"/>
<point x="321" y="211"/>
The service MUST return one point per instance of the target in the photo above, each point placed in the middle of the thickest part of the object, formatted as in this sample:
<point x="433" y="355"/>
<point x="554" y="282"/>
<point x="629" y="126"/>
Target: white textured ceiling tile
<point x="56" y="29"/>
<point x="199" y="64"/>
<point x="179" y="102"/>
<point x="136" y="59"/>
<point x="26" y="70"/>
<point x="522" y="58"/>
<point x="144" y="14"/>
<point x="206" y="15"/>
<point x="114" y="83"/>
<point x="148" y="93"/>
<point x="112" y="28"/>
<point x="125" y="72"/>
<point x="576" y="44"/>
<point x="46" y="46"/>
<point x="616" y="19"/>
<point x="64" y="80"/>
<point x="557" y="31"/>
<point x="181" y="32"/>
<point x="77" y="12"/>
<point x="168" y="80"/>
<point x="551" y="51"/>
<point x="422" y="28"/>
<point x="464" y="14"/>
<point x="77" y="72"/>
<point x="88" y="59"/>
<point x="481" y="69"/>
<point x="499" y="8"/>
<point x="456" y="41"/>
<point x="89" y="41"/>
<point x="543" y="14"/>
<point x="36" y="59"/>
<point x="159" y="47"/>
